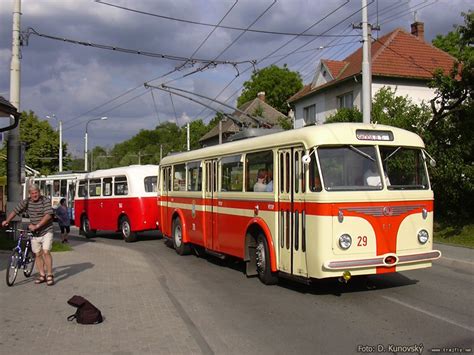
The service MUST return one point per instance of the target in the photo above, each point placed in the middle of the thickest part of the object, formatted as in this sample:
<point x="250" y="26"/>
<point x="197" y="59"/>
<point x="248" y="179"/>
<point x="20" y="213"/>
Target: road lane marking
<point x="471" y="329"/>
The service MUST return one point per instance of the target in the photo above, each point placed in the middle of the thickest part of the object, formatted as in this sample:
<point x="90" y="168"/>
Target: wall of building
<point x="326" y="100"/>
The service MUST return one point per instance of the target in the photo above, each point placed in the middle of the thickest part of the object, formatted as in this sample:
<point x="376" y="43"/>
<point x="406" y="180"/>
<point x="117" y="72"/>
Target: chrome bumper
<point x="387" y="260"/>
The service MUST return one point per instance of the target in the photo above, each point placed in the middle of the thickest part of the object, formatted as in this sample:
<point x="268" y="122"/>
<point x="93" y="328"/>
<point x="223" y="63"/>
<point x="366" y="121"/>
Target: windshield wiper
<point x="361" y="152"/>
<point x="390" y="155"/>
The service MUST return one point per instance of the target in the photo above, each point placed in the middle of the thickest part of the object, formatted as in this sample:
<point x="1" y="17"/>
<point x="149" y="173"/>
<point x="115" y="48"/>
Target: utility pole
<point x="366" y="64"/>
<point x="13" y="145"/>
<point x="60" y="140"/>
<point x="188" y="138"/>
<point x="60" y="146"/>
<point x="220" y="131"/>
<point x="366" y="69"/>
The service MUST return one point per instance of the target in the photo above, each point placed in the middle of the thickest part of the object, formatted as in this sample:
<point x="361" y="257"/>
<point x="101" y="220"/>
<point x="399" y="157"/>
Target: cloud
<point x="70" y="80"/>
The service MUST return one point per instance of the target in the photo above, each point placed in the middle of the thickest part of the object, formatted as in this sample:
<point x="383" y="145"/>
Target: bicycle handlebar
<point x="28" y="232"/>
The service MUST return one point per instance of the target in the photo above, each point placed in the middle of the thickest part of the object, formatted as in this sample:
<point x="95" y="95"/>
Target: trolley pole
<point x="13" y="144"/>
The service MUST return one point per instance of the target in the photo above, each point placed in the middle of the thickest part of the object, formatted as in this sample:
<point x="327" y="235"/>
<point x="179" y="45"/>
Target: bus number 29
<point x="362" y="241"/>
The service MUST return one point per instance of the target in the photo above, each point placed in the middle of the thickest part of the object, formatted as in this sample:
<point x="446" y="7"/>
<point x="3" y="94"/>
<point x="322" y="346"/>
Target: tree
<point x="41" y="143"/>
<point x="450" y="131"/>
<point x="279" y="84"/>
<point x="454" y="91"/>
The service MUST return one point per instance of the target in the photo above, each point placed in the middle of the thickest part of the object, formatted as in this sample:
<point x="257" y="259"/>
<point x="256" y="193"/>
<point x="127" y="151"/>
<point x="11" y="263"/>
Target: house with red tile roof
<point x="267" y="115"/>
<point x="400" y="60"/>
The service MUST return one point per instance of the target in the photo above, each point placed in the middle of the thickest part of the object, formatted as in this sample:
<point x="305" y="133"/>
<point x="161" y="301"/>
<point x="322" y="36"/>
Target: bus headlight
<point x="423" y="236"/>
<point x="345" y="241"/>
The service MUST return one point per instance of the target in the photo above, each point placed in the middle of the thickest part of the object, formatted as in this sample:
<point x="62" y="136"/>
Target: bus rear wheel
<point x="262" y="255"/>
<point x="179" y="245"/>
<point x="126" y="230"/>
<point x="86" y="227"/>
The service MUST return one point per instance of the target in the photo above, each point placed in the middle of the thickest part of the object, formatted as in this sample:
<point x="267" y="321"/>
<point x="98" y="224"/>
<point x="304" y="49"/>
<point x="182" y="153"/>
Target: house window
<point x="346" y="100"/>
<point x="309" y="114"/>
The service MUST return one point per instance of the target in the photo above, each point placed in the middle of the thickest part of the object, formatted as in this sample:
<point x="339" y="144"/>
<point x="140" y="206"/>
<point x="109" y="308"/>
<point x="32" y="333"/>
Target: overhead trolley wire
<point x="210" y="24"/>
<point x="32" y="31"/>
<point x="276" y="50"/>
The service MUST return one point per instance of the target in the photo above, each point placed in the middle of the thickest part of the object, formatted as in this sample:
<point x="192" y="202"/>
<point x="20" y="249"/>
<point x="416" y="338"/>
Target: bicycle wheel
<point x="29" y="263"/>
<point x="12" y="268"/>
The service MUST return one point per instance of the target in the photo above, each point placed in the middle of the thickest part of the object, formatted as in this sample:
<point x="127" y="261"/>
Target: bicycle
<point x="21" y="257"/>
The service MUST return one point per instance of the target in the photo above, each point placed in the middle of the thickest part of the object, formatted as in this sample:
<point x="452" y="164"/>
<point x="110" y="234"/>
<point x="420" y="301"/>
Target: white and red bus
<point x="56" y="187"/>
<point x="119" y="199"/>
<point x="333" y="200"/>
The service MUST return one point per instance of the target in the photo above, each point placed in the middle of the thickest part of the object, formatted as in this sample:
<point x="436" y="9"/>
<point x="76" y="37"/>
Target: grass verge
<point x="457" y="235"/>
<point x="7" y="243"/>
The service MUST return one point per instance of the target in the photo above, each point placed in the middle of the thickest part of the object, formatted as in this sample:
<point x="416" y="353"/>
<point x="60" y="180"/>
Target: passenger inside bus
<point x="372" y="177"/>
<point x="261" y="185"/>
<point x="269" y="187"/>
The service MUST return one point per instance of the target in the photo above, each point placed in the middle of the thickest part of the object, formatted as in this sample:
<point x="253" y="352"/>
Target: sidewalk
<point x="455" y="256"/>
<point x="139" y="316"/>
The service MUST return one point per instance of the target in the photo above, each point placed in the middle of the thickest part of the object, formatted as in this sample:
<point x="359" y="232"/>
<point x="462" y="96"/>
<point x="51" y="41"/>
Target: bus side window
<point x="94" y="187"/>
<point x="120" y="186"/>
<point x="150" y="183"/>
<point x="232" y="173"/>
<point x="194" y="176"/>
<point x="258" y="167"/>
<point x="179" y="177"/>
<point x="166" y="179"/>
<point x="107" y="186"/>
<point x="63" y="187"/>
<point x="82" y="190"/>
<point x="56" y="188"/>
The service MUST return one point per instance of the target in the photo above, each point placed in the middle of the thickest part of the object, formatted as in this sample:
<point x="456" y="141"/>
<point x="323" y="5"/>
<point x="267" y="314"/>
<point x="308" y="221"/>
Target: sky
<point x="78" y="83"/>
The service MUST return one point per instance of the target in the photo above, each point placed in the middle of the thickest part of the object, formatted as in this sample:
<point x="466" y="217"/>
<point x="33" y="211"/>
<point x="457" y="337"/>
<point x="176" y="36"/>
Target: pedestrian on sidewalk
<point x="63" y="220"/>
<point x="41" y="215"/>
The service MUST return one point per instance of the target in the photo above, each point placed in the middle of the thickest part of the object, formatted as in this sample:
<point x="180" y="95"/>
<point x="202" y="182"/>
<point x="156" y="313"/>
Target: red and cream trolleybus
<point x="333" y="200"/>
<point x="121" y="199"/>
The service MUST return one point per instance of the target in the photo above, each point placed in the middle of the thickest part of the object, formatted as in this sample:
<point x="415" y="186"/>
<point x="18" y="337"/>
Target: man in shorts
<point x="41" y="214"/>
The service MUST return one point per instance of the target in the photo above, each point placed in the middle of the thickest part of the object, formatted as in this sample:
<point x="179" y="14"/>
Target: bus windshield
<point x="349" y="168"/>
<point x="354" y="168"/>
<point x="405" y="168"/>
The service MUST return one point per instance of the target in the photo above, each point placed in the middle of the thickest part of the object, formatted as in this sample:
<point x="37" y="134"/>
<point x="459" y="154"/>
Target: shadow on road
<point x="63" y="272"/>
<point x="329" y="286"/>
<point x="357" y="284"/>
<point x="60" y="273"/>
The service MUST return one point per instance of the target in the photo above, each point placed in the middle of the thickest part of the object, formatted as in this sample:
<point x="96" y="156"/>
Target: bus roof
<point x="310" y="136"/>
<point x="148" y="169"/>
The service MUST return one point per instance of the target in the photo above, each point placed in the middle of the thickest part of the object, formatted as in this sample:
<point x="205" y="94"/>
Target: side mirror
<point x="432" y="162"/>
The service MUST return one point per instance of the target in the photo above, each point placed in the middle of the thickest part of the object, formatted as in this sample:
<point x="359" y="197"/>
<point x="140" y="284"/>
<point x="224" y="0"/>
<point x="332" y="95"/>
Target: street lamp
<point x="85" y="140"/>
<point x="60" y="141"/>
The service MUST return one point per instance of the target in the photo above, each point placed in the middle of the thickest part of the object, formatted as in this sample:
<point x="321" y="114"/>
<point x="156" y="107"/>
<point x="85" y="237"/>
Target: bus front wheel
<point x="86" y="227"/>
<point x="262" y="255"/>
<point x="179" y="245"/>
<point x="126" y="230"/>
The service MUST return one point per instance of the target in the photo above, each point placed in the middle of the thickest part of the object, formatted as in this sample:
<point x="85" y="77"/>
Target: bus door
<point x="291" y="214"/>
<point x="210" y="215"/>
<point x="71" y="192"/>
<point x="166" y="187"/>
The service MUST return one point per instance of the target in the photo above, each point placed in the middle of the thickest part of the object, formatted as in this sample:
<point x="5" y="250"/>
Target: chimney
<point x="261" y="95"/>
<point x="418" y="30"/>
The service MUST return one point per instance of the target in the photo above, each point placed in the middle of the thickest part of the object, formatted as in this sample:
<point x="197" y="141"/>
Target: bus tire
<point x="262" y="254"/>
<point x="86" y="227"/>
<point x="126" y="230"/>
<point x="180" y="246"/>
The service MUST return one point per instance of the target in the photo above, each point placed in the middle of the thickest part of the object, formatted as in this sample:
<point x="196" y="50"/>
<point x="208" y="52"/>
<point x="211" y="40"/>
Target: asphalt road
<point x="423" y="310"/>
<point x="157" y="302"/>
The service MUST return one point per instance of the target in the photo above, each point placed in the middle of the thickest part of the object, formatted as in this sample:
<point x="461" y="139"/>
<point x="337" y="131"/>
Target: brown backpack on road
<point x="86" y="312"/>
